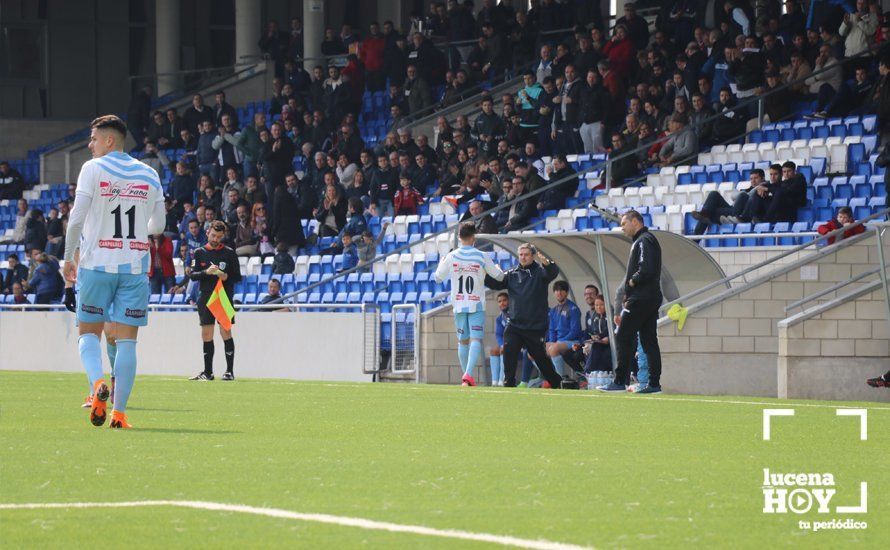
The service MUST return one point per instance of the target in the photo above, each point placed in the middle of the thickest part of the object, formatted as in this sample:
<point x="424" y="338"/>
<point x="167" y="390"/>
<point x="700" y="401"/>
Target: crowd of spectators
<point x="587" y="90"/>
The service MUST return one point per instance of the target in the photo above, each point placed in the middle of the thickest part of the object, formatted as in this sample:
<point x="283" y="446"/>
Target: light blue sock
<point x="91" y="357"/>
<point x="125" y="373"/>
<point x="493" y="365"/>
<point x="473" y="358"/>
<point x="559" y="364"/>
<point x="111" y="350"/>
<point x="643" y="366"/>
<point x="500" y="377"/>
<point x="463" y="352"/>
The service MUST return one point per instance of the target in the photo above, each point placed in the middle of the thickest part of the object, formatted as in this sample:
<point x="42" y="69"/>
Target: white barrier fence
<point x="302" y="342"/>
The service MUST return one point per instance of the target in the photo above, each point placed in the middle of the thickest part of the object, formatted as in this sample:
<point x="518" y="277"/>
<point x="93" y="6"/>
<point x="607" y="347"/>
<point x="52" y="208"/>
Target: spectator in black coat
<point x="222" y="108"/>
<point x="286" y="227"/>
<point x="35" y="232"/>
<point x="555" y="198"/>
<point x="521" y="212"/>
<point x="16" y="273"/>
<point x="273" y="44"/>
<point x="567" y="113"/>
<point x="278" y="157"/>
<point x="138" y="113"/>
<point x="196" y="114"/>
<point x="732" y="124"/>
<point x="283" y="262"/>
<point x="624" y="167"/>
<point x="11" y="182"/>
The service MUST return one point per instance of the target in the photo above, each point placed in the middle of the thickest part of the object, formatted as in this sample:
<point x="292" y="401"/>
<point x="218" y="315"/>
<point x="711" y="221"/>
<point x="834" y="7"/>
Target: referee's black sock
<point x="208" y="357"/>
<point x="230" y="354"/>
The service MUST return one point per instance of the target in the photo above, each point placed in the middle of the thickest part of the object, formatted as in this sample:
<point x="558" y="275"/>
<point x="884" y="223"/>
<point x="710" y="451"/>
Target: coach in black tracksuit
<point x="643" y="297"/>
<point x="528" y="286"/>
<point x="211" y="263"/>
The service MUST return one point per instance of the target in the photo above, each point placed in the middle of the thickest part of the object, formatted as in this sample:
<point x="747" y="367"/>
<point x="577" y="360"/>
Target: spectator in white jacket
<point x="832" y="77"/>
<point x="858" y="29"/>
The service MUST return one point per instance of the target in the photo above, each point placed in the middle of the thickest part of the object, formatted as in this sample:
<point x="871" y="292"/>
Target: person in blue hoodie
<point x="46" y="282"/>
<point x="565" y="326"/>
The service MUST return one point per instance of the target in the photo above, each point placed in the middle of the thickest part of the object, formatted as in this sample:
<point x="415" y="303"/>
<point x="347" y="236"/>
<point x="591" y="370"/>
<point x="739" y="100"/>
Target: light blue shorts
<point x="569" y="343"/>
<point x="470" y="325"/>
<point x="116" y="297"/>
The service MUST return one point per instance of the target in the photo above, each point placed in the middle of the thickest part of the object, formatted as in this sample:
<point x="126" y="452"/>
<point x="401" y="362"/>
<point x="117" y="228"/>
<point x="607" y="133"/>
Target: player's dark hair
<point x="594" y="287"/>
<point x="219" y="226"/>
<point x="758" y="171"/>
<point x="560" y="285"/>
<point x="467" y="230"/>
<point x="275" y="281"/>
<point x="845" y="210"/>
<point x="110" y="122"/>
<point x="789" y="164"/>
<point x="504" y="294"/>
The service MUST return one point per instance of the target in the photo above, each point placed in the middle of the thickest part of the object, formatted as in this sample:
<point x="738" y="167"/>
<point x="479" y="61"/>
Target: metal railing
<point x="191" y="80"/>
<point x="870" y="286"/>
<point x="786" y="268"/>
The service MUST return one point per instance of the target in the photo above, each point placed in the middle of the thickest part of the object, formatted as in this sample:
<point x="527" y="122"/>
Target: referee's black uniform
<point x="640" y="309"/>
<point x="202" y="259"/>
<point x="528" y="288"/>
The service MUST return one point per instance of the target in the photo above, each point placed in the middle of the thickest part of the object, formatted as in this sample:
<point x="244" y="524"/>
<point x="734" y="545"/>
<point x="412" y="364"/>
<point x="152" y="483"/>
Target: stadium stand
<point x="838" y="155"/>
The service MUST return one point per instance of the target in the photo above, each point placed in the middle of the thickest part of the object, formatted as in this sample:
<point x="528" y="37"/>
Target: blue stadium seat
<point x="860" y="207"/>
<point x="841" y="189"/>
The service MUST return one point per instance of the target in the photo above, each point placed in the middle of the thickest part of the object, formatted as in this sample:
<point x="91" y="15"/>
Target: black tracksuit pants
<point x="533" y="341"/>
<point x="639" y="317"/>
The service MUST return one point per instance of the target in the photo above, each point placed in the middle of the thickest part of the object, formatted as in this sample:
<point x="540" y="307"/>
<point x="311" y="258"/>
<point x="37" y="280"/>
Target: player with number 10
<point x="467" y="267"/>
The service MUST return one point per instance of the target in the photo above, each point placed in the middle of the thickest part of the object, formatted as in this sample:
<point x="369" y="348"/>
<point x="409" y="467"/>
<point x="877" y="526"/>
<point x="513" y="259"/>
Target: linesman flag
<point x="220" y="306"/>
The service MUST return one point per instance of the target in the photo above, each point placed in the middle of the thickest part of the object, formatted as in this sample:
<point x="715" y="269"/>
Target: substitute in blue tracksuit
<point x="564" y="326"/>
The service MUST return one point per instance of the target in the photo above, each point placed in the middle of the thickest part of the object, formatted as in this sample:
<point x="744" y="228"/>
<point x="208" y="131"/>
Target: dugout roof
<point x="685" y="265"/>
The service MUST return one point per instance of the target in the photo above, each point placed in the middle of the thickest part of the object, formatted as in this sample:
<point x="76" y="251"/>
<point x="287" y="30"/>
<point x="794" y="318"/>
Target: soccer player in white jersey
<point x="119" y="203"/>
<point x="467" y="267"/>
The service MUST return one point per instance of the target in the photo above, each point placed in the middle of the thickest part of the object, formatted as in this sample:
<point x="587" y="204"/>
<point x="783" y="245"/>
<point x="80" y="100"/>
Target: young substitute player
<point x="495" y="359"/>
<point x="467" y="268"/>
<point x="118" y="204"/>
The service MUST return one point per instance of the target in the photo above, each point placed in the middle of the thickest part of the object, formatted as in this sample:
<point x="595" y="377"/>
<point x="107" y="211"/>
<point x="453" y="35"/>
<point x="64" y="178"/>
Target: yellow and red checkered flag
<point x="220" y="306"/>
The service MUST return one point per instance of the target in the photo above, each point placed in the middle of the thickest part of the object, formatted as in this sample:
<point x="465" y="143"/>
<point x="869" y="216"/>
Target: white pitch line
<point x="344" y="521"/>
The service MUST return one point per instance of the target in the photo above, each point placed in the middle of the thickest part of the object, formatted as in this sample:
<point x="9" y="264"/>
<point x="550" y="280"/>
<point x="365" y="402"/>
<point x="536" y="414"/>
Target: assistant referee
<point x="213" y="262"/>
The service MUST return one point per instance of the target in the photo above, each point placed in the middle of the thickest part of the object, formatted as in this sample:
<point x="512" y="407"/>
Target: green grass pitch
<point x="573" y="467"/>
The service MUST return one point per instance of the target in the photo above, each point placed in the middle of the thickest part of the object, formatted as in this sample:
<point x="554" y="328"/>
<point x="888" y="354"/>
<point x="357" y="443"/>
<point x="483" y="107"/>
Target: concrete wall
<point x="438" y="346"/>
<point x="63" y="165"/>
<point x="732" y="346"/>
<point x="17" y="136"/>
<point x="830" y="355"/>
<point x="299" y="346"/>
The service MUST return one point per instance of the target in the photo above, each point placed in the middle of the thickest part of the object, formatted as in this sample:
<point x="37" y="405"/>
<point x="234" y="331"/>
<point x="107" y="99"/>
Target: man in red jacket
<point x="844" y="219"/>
<point x="162" y="274"/>
<point x="371" y="54"/>
<point x="620" y="51"/>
